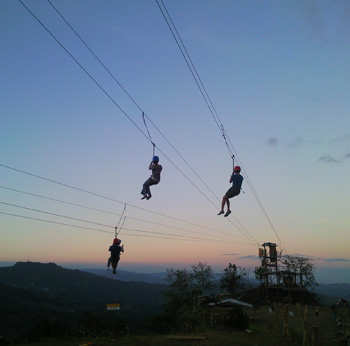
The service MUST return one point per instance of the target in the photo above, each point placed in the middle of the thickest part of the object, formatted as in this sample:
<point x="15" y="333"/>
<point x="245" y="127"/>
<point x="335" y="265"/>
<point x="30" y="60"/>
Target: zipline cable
<point x="116" y="104"/>
<point x="105" y="92"/>
<point x="109" y="212"/>
<point x="149" y="135"/>
<point x="92" y="52"/>
<point x="82" y="67"/>
<point x="109" y="198"/>
<point x="260" y="202"/>
<point x="97" y="230"/>
<point x="193" y="71"/>
<point x="121" y="217"/>
<point x="144" y="115"/>
<point x="210" y="105"/>
<point x="104" y="225"/>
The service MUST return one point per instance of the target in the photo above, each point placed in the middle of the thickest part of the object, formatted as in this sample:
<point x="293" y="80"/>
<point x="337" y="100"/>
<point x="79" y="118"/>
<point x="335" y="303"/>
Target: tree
<point x="201" y="278"/>
<point x="231" y="280"/>
<point x="183" y="291"/>
<point x="299" y="267"/>
<point x="302" y="269"/>
<point x="186" y="286"/>
<point x="259" y="273"/>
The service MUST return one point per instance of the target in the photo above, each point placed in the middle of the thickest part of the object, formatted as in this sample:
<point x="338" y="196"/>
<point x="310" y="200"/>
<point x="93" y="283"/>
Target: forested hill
<point x="78" y="285"/>
<point x="32" y="292"/>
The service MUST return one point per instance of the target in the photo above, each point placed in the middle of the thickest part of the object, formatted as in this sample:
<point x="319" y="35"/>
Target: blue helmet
<point x="155" y="159"/>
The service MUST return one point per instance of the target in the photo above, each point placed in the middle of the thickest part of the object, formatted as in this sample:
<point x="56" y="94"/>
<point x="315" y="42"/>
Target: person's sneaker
<point x="228" y="213"/>
<point x="220" y="213"/>
<point x="114" y="272"/>
<point x="148" y="197"/>
<point x="144" y="197"/>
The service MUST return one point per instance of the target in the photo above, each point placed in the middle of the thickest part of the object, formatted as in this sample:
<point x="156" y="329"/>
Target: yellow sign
<point x="113" y="306"/>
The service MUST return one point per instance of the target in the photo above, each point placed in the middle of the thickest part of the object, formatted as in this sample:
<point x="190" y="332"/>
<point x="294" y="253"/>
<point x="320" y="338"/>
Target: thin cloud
<point x="296" y="143"/>
<point x="249" y="257"/>
<point x="230" y="254"/>
<point x="335" y="259"/>
<point x="316" y="142"/>
<point x="342" y="138"/>
<point x="328" y="159"/>
<point x="347" y="156"/>
<point x="300" y="255"/>
<point x="272" y="141"/>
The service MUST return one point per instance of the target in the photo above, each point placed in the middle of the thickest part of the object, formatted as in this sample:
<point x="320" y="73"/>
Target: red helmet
<point x="116" y="241"/>
<point x="237" y="169"/>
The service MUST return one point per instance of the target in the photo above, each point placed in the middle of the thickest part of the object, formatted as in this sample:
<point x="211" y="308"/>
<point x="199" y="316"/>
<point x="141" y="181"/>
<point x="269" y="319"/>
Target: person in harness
<point x="236" y="180"/>
<point x="115" y="250"/>
<point x="154" y="179"/>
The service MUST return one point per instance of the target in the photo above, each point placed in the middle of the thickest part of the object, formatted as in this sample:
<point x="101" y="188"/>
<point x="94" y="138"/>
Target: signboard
<point x="113" y="306"/>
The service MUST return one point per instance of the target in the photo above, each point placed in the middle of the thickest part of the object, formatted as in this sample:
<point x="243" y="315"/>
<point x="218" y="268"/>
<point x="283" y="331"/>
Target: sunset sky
<point x="74" y="149"/>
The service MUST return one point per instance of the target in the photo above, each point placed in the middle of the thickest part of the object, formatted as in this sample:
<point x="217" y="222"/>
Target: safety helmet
<point x="155" y="159"/>
<point x="116" y="241"/>
<point x="237" y="169"/>
<point x="119" y="241"/>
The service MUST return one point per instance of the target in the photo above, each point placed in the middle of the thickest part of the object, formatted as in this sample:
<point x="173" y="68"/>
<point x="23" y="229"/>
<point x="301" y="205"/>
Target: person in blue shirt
<point x="236" y="180"/>
<point x="153" y="179"/>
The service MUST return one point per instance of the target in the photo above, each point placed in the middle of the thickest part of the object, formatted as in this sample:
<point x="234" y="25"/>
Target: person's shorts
<point x="232" y="192"/>
<point x="115" y="259"/>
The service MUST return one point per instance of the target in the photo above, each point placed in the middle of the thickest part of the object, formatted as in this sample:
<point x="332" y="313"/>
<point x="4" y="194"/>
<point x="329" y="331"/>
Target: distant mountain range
<point x="329" y="293"/>
<point x="126" y="276"/>
<point x="151" y="278"/>
<point x="334" y="291"/>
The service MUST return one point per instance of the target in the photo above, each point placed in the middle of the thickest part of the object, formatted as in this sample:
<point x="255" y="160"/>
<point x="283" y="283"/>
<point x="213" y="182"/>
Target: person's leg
<point x="147" y="191"/>
<point x="151" y="183"/>
<point x="115" y="265"/>
<point x="149" y="195"/>
<point x="232" y="193"/>
<point x="228" y="212"/>
<point x="145" y="188"/>
<point x="222" y="205"/>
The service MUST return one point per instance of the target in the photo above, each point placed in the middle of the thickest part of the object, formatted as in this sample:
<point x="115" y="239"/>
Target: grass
<point x="263" y="331"/>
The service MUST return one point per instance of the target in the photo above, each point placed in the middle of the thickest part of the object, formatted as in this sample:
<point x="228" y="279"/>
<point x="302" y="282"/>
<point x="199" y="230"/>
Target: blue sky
<point x="277" y="73"/>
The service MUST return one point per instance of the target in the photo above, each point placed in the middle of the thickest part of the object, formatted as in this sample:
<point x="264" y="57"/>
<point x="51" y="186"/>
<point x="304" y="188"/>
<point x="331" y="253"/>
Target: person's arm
<point x="231" y="179"/>
<point x="151" y="165"/>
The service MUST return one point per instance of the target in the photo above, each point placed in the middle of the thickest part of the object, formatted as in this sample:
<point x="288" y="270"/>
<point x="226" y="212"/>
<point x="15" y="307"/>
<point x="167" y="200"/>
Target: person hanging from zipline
<point x="236" y="180"/>
<point x="115" y="250"/>
<point x="154" y="179"/>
